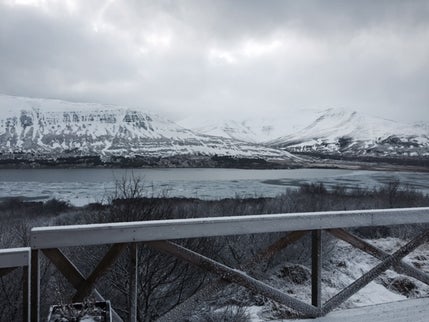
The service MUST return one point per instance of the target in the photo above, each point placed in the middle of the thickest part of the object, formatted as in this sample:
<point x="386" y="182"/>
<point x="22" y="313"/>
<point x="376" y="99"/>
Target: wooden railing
<point x="12" y="259"/>
<point x="158" y="235"/>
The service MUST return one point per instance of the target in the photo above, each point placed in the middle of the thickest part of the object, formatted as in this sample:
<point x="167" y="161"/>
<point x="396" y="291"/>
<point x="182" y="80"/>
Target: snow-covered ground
<point x="343" y="265"/>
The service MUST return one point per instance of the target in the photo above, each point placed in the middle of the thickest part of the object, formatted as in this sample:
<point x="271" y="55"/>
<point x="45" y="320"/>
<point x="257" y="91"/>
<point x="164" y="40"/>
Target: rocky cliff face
<point x="49" y="127"/>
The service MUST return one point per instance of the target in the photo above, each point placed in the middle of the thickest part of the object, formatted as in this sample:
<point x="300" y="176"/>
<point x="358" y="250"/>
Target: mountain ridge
<point x="36" y="128"/>
<point x="46" y="127"/>
<point x="339" y="131"/>
<point x="330" y="131"/>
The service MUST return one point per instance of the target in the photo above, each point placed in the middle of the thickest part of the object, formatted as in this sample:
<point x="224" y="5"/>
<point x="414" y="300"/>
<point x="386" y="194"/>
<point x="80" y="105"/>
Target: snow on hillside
<point x="255" y="130"/>
<point x="333" y="123"/>
<point x="44" y="126"/>
<point x="334" y="130"/>
<point x="341" y="130"/>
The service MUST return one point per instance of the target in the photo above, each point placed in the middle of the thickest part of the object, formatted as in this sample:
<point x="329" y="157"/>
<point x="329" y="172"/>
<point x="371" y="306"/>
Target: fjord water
<point x="83" y="186"/>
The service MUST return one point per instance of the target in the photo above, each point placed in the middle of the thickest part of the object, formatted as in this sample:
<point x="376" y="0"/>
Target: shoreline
<point x="308" y="165"/>
<point x="212" y="162"/>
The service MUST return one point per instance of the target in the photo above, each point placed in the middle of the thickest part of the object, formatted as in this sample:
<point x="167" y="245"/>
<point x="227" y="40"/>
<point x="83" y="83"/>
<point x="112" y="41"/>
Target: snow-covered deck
<point x="416" y="310"/>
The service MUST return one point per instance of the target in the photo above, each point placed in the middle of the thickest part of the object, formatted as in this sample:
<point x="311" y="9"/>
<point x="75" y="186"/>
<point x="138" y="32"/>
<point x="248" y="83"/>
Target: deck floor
<point x="412" y="310"/>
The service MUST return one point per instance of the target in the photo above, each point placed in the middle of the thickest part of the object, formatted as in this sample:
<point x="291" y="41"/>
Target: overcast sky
<point x="245" y="58"/>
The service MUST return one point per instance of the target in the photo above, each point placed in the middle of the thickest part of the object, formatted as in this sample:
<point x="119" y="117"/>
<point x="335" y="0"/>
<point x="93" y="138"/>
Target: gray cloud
<point x="245" y="58"/>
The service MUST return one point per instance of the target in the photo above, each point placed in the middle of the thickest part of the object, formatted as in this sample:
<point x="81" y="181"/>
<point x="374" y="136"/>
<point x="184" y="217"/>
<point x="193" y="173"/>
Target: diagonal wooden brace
<point x="365" y="279"/>
<point x="361" y="244"/>
<point x="277" y="246"/>
<point x="106" y="262"/>
<point x="234" y="276"/>
<point x="179" y="311"/>
<point x="72" y="273"/>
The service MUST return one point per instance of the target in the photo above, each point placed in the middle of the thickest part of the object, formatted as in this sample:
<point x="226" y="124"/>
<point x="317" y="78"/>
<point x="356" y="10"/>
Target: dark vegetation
<point x="392" y="160"/>
<point x="248" y="163"/>
<point x="165" y="281"/>
<point x="70" y="160"/>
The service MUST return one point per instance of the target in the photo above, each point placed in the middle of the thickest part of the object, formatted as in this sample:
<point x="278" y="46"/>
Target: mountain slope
<point x="250" y="130"/>
<point x="47" y="127"/>
<point x="332" y="131"/>
<point x="353" y="133"/>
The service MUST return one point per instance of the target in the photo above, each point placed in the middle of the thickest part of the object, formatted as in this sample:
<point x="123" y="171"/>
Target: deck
<point x="416" y="310"/>
<point x="46" y="244"/>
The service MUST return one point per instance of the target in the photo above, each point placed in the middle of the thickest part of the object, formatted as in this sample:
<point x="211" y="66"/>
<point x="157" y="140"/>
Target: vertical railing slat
<point x="25" y="293"/>
<point x="35" y="285"/>
<point x="133" y="273"/>
<point x="316" y="268"/>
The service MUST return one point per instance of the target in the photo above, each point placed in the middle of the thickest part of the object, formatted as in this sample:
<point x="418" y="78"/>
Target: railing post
<point x="133" y="267"/>
<point x="35" y="285"/>
<point x="316" y="268"/>
<point x="25" y="293"/>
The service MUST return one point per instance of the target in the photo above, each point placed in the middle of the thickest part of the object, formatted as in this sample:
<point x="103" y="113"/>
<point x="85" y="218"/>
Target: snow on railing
<point x="142" y="231"/>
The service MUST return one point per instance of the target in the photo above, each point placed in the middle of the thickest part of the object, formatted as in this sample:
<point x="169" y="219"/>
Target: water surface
<point x="82" y="186"/>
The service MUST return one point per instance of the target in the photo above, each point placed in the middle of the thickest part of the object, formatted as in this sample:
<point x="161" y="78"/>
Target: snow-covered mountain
<point x="53" y="127"/>
<point x="250" y="130"/>
<point x="352" y="133"/>
<point x="329" y="131"/>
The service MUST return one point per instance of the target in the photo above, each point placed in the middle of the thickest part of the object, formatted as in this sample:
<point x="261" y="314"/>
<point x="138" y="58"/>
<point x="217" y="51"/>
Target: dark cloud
<point x="241" y="57"/>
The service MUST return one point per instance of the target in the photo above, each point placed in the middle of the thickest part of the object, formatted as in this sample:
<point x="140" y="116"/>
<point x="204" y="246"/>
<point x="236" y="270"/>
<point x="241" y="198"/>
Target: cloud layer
<point x="245" y="58"/>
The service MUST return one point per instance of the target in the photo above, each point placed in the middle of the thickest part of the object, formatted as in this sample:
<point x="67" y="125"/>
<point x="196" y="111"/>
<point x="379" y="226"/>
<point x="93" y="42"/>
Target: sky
<point x="238" y="58"/>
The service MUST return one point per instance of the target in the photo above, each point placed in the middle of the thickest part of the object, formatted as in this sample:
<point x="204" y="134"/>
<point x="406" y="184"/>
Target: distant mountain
<point x="333" y="131"/>
<point x="52" y="128"/>
<point x="352" y="133"/>
<point x="40" y="129"/>
<point x="250" y="130"/>
<point x="423" y="125"/>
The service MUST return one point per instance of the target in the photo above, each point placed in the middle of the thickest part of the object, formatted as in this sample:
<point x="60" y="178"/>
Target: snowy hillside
<point x="49" y="127"/>
<point x="331" y="131"/>
<point x="250" y="130"/>
<point x="345" y="265"/>
<point x="353" y="133"/>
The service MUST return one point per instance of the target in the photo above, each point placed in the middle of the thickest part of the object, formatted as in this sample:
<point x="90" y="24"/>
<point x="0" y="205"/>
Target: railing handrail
<point x="15" y="257"/>
<point x="126" y="232"/>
